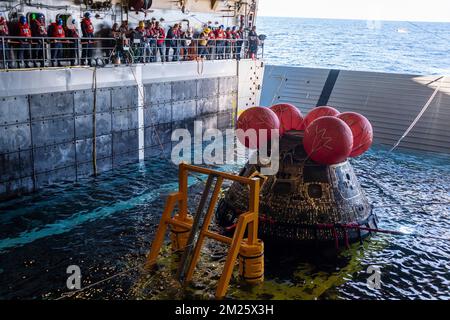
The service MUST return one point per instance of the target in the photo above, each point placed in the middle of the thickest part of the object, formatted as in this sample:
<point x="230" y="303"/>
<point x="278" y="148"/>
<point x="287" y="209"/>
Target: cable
<point x="141" y="92"/>
<point x="70" y="294"/>
<point x="94" y="124"/>
<point x="411" y="126"/>
<point x="430" y="32"/>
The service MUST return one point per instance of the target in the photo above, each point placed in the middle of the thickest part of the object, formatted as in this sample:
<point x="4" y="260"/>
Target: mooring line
<point x="411" y="126"/>
<point x="71" y="294"/>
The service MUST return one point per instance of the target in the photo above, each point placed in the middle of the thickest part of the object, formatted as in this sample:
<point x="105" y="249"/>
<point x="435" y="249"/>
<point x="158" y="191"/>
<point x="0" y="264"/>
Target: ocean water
<point x="383" y="46"/>
<point x="105" y="226"/>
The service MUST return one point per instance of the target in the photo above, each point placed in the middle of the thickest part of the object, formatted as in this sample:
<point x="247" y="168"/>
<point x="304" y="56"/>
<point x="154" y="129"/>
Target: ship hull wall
<point x="47" y="117"/>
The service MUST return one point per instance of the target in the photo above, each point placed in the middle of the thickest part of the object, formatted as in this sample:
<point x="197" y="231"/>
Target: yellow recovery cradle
<point x="198" y="230"/>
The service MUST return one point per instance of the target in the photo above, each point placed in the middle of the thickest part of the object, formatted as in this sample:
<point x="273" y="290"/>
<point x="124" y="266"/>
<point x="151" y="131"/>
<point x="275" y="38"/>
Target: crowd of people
<point x="148" y="42"/>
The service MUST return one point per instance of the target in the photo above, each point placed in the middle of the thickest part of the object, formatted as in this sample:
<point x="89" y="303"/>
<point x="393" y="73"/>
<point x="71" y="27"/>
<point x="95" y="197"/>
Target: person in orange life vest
<point x="87" y="29"/>
<point x="160" y="35"/>
<point x="4" y="48"/>
<point x="24" y="52"/>
<point x="220" y="42"/>
<point x="228" y="43"/>
<point x="39" y="30"/>
<point x="72" y="32"/>
<point x="211" y="44"/>
<point x="57" y="32"/>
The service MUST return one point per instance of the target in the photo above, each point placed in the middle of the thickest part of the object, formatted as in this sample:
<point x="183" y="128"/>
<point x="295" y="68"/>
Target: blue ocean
<point x="383" y="46"/>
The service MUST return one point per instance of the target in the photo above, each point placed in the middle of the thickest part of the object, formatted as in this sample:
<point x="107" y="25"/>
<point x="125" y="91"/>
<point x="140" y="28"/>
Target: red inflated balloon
<point x="318" y="112"/>
<point x="362" y="132"/>
<point x="257" y="118"/>
<point x="290" y="117"/>
<point x="328" y="140"/>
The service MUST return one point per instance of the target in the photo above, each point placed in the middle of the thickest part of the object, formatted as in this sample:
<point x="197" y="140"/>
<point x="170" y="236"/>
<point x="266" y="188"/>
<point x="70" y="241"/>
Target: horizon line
<point x="359" y="19"/>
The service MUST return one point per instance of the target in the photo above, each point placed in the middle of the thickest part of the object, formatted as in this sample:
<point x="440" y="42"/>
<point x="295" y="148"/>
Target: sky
<point x="402" y="10"/>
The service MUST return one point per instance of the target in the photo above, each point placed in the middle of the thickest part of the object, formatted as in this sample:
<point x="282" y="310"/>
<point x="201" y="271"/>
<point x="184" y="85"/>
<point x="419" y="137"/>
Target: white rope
<point x="141" y="92"/>
<point x="425" y="107"/>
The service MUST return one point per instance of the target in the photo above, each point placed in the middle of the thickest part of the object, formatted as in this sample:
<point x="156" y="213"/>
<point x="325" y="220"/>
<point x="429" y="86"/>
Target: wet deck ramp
<point x="390" y="101"/>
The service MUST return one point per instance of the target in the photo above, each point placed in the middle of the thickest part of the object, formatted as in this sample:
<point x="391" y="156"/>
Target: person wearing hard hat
<point x="24" y="53"/>
<point x="220" y="42"/>
<point x="203" y="43"/>
<point x="139" y="39"/>
<point x="57" y="33"/>
<point x="87" y="28"/>
<point x="39" y="30"/>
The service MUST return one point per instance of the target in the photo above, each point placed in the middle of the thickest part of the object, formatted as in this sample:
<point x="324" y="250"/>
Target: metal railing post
<point x="43" y="51"/>
<point x="4" y="53"/>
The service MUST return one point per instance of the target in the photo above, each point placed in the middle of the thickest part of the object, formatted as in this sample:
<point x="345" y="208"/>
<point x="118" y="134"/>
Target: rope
<point x="201" y="66"/>
<point x="432" y="33"/>
<point x="413" y="205"/>
<point x="141" y="92"/>
<point x="70" y="294"/>
<point x="425" y="107"/>
<point x="333" y="227"/>
<point x="94" y="124"/>
<point x="277" y="92"/>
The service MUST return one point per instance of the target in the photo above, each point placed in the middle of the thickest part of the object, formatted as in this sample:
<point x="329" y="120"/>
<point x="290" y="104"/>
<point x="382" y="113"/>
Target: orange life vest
<point x="24" y="30"/>
<point x="58" y="31"/>
<point x="40" y="28"/>
<point x="88" y="27"/>
<point x="220" y="34"/>
<point x="3" y="27"/>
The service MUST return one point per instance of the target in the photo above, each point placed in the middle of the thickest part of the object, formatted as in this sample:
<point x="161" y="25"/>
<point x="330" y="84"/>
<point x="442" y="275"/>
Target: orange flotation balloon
<point x="362" y="132"/>
<point x="257" y="118"/>
<point x="318" y="112"/>
<point x="290" y="117"/>
<point x="328" y="140"/>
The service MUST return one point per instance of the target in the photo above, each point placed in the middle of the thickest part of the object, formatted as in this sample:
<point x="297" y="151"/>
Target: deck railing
<point x="44" y="52"/>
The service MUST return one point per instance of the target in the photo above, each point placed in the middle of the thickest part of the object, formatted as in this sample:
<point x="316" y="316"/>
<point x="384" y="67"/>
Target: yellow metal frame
<point x="247" y="221"/>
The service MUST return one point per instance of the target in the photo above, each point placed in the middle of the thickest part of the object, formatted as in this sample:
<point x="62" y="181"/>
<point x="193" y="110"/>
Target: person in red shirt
<point x="160" y="35"/>
<point x="57" y="33"/>
<point x="24" y="52"/>
<point x="4" y="48"/>
<point x="87" y="28"/>
<point x="39" y="30"/>
<point x="228" y="43"/>
<point x="220" y="42"/>
<point x="212" y="49"/>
